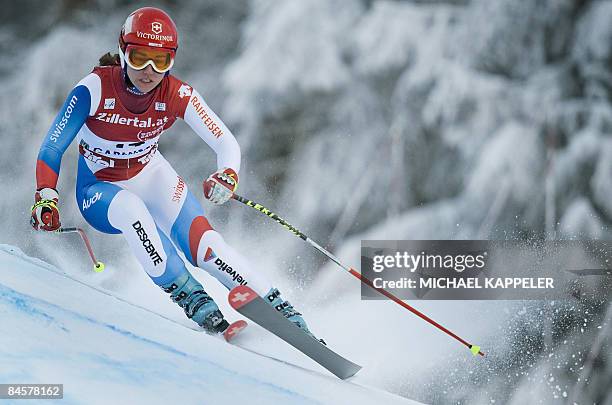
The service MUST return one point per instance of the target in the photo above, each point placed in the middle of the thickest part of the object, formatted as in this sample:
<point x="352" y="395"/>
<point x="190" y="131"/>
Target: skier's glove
<point x="219" y="186"/>
<point x="45" y="214"/>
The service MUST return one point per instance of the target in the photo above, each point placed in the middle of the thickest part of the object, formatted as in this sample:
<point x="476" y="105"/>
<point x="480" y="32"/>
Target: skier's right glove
<point x="45" y="214"/>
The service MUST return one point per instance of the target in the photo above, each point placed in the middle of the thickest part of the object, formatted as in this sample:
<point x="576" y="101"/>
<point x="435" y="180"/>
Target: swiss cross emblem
<point x="156" y="27"/>
<point x="240" y="297"/>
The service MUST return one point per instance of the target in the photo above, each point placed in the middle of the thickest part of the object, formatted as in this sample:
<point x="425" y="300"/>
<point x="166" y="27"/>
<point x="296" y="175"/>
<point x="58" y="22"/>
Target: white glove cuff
<point x="48" y="194"/>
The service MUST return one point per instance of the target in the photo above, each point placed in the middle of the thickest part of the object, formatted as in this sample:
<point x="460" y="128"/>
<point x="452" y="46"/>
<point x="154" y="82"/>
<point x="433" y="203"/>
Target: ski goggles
<point x="139" y="57"/>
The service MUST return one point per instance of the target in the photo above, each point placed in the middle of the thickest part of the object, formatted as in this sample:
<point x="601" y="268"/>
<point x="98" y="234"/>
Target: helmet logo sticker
<point x="156" y="27"/>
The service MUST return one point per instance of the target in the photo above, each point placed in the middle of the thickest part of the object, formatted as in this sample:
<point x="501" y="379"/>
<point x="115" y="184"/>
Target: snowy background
<point x="456" y="119"/>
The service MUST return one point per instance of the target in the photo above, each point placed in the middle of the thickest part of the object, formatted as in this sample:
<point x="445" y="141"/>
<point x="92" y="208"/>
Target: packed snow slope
<point x="104" y="349"/>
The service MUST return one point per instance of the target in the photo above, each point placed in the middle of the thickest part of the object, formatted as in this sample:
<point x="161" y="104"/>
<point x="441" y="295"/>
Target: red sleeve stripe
<point x="45" y="175"/>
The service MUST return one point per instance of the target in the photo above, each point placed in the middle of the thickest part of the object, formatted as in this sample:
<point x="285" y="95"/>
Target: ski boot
<point x="284" y="307"/>
<point x="189" y="294"/>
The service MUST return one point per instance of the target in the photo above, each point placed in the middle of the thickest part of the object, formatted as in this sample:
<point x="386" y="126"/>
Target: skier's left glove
<point x="219" y="186"/>
<point x="45" y="214"/>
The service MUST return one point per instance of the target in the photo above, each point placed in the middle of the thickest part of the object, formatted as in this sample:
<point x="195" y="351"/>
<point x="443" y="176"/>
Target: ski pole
<point x="98" y="266"/>
<point x="473" y="348"/>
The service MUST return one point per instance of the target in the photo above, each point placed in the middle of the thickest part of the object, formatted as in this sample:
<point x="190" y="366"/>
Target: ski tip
<point x="349" y="373"/>
<point x="476" y="350"/>
<point x="234" y="329"/>
<point x="240" y="296"/>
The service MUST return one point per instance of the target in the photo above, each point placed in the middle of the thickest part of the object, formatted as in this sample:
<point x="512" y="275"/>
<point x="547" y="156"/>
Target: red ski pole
<point x="473" y="348"/>
<point x="98" y="266"/>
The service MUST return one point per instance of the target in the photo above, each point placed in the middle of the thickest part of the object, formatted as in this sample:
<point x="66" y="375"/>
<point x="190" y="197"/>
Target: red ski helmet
<point x="149" y="26"/>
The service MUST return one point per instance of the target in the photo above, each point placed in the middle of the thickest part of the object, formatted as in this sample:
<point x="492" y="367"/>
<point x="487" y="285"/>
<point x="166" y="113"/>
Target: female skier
<point x="124" y="185"/>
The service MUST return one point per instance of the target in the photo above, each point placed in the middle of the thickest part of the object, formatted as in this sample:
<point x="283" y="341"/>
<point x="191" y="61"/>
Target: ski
<point x="246" y="301"/>
<point x="234" y="330"/>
